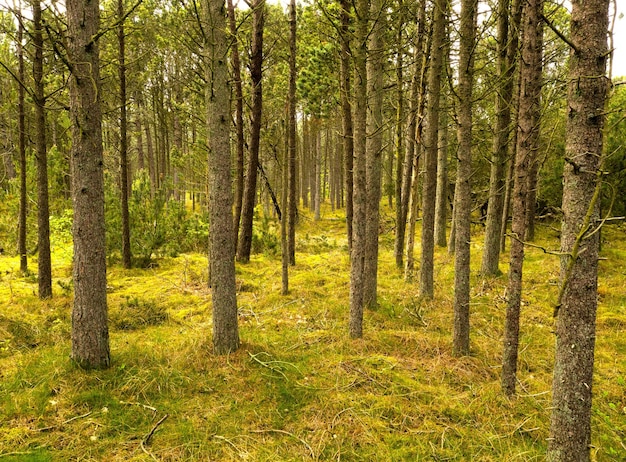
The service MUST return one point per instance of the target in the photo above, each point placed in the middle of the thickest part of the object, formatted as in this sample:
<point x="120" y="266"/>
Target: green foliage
<point x="159" y="227"/>
<point x="265" y="235"/>
<point x="615" y="164"/>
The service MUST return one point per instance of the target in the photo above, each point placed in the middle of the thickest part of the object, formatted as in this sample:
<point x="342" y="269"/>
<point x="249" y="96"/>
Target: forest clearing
<point x="299" y="388"/>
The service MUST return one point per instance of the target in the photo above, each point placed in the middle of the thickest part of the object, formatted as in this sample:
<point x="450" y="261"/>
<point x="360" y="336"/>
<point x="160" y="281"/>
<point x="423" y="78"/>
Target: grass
<point x="298" y="388"/>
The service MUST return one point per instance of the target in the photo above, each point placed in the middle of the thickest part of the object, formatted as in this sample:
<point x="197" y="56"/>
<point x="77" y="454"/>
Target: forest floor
<point x="299" y="388"/>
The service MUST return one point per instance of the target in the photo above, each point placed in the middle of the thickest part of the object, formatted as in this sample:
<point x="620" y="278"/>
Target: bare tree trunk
<point x="346" y="112"/>
<point x="570" y="425"/>
<point x="357" y="256"/>
<point x="527" y="145"/>
<point x="90" y="333"/>
<point x="374" y="143"/>
<point x="239" y="163"/>
<point x="430" y="153"/>
<point x="21" y="240"/>
<point x="43" y="211"/>
<point x="291" y="135"/>
<point x="401" y="157"/>
<point x="507" y="43"/>
<point x="417" y="102"/>
<point x="463" y="190"/>
<point x="126" y="250"/>
<point x="221" y="243"/>
<point x="441" y="196"/>
<point x="256" y="72"/>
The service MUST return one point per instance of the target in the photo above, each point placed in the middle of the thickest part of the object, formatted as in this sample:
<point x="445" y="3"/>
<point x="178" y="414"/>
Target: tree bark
<point x="239" y="162"/>
<point x="441" y="196"/>
<point x="221" y="243"/>
<point x="43" y="210"/>
<point x="357" y="256"/>
<point x="527" y="146"/>
<point x="426" y="287"/>
<point x="121" y="38"/>
<point x="570" y="426"/>
<point x="90" y="334"/>
<point x="375" y="71"/>
<point x="507" y="43"/>
<point x="21" y="239"/>
<point x="256" y="73"/>
<point x="291" y="135"/>
<point x="463" y="189"/>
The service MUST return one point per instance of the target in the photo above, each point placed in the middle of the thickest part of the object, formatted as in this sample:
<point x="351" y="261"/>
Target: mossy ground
<point x="298" y="388"/>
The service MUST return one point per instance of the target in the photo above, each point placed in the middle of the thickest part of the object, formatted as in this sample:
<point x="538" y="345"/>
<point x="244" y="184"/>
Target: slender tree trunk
<point x="527" y="145"/>
<point x="221" y="243"/>
<point x="256" y="73"/>
<point x="417" y="102"/>
<point x="317" y="171"/>
<point x="126" y="250"/>
<point x="239" y="163"/>
<point x="463" y="189"/>
<point x="346" y="112"/>
<point x="90" y="334"/>
<point x="430" y="153"/>
<point x="374" y="144"/>
<point x="21" y="240"/>
<point x="570" y="424"/>
<point x="441" y="196"/>
<point x="401" y="157"/>
<point x="291" y="135"/>
<point x="357" y="257"/>
<point x="43" y="211"/>
<point x="507" y="42"/>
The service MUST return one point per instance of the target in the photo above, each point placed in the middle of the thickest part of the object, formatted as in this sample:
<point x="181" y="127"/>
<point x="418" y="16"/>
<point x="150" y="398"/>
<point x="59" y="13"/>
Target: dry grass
<point x="299" y="388"/>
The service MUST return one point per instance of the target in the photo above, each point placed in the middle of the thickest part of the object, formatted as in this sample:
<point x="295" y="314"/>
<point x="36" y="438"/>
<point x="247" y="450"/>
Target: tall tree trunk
<point x="463" y="190"/>
<point x="357" y="256"/>
<point x="317" y="170"/>
<point x="346" y="112"/>
<point x="430" y="153"/>
<point x="90" y="333"/>
<point x="570" y="426"/>
<point x="43" y="211"/>
<point x="239" y="162"/>
<point x="374" y="148"/>
<point x="507" y="42"/>
<point x="256" y="73"/>
<point x="417" y="102"/>
<point x="21" y="240"/>
<point x="441" y="196"/>
<point x="221" y="242"/>
<point x="126" y="250"/>
<point x="401" y="158"/>
<point x="527" y="145"/>
<point x="291" y="135"/>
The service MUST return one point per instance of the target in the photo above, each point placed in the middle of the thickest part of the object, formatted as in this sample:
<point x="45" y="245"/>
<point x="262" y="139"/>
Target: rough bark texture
<point x="239" y="163"/>
<point x="357" y="257"/>
<point x="90" y="334"/>
<point x="375" y="70"/>
<point x="570" y="428"/>
<point x="441" y="197"/>
<point x="413" y="150"/>
<point x="221" y="243"/>
<point x="256" y="73"/>
<point x="507" y="42"/>
<point x="21" y="239"/>
<point x="463" y="201"/>
<point x="426" y="286"/>
<point x="399" y="134"/>
<point x="124" y="183"/>
<point x="44" y="263"/>
<point x="291" y="135"/>
<point x="527" y="145"/>
<point x="346" y="113"/>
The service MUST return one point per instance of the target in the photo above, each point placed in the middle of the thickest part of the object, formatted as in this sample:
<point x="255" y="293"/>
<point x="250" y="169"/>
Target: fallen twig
<point x="54" y="427"/>
<point x="147" y="438"/>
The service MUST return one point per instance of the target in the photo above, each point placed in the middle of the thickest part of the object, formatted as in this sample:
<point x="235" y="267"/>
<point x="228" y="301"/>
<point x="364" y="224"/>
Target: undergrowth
<point x="298" y="388"/>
